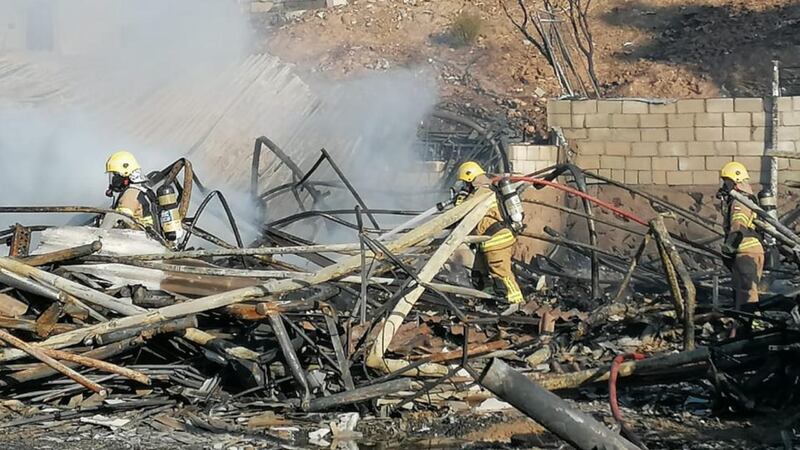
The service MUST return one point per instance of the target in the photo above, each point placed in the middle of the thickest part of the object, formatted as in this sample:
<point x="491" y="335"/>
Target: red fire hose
<point x="577" y="193"/>
<point x="612" y="396"/>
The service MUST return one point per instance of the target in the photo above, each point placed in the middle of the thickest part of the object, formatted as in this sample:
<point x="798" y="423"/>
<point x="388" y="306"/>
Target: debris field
<point x="287" y="343"/>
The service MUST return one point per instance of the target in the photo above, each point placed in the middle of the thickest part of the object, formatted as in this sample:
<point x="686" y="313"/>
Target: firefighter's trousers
<point x="746" y="273"/>
<point x="496" y="264"/>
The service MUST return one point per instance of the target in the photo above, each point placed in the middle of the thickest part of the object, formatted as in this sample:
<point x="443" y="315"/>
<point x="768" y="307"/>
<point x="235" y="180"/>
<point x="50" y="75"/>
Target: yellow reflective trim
<point x="503" y="238"/>
<point x="514" y="294"/>
<point x="750" y="242"/>
<point x="145" y="220"/>
<point x="744" y="218"/>
<point x="124" y="210"/>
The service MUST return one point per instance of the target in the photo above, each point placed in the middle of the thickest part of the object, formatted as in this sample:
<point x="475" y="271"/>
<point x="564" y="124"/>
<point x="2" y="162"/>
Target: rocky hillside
<point x="644" y="48"/>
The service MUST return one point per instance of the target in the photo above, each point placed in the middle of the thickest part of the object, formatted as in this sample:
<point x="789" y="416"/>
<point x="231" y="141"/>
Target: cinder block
<point x="759" y="119"/>
<point x="654" y="134"/>
<point x="665" y="163"/>
<point x="758" y="134"/>
<point x="737" y="119"/>
<point x="705" y="177"/>
<point x="638" y="163"/>
<point x="634" y="107"/>
<point x="578" y="120"/>
<point x="573" y="134"/>
<point x="753" y="163"/>
<point x="626" y="134"/>
<point x="708" y="134"/>
<point x="666" y="108"/>
<point x="681" y="134"/>
<point x="791" y="118"/>
<point x="701" y="148"/>
<point x="716" y="162"/>
<point x="518" y="152"/>
<point x="599" y="120"/>
<point x="609" y="106"/>
<point x="794" y="164"/>
<point x="679" y="178"/>
<point x="559" y="106"/>
<point x="672" y="149"/>
<point x="748" y="105"/>
<point x="604" y="173"/>
<point x="591" y="148"/>
<point x="784" y="104"/>
<point x="624" y="121"/>
<point x="588" y="161"/>
<point x="786" y="146"/>
<point x="618" y="148"/>
<point x="612" y="162"/>
<point x="740" y="134"/>
<point x="691" y="163"/>
<point x="631" y="177"/>
<point x="719" y="105"/>
<point x="659" y="177"/>
<point x="653" y="120"/>
<point x="796" y="103"/>
<point x="618" y="175"/>
<point x="783" y="164"/>
<point x="600" y="134"/>
<point x="645" y="177"/>
<point x="644" y="149"/>
<point x="533" y="153"/>
<point x="789" y="133"/>
<point x="548" y="153"/>
<point x="560" y="120"/>
<point x="726" y="148"/>
<point x="525" y="167"/>
<point x="584" y="107"/>
<point x="680" y="120"/>
<point x="691" y="106"/>
<point x="708" y="120"/>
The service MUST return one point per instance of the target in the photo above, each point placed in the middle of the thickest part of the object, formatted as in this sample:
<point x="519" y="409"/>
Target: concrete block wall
<point x="527" y="158"/>
<point x="682" y="142"/>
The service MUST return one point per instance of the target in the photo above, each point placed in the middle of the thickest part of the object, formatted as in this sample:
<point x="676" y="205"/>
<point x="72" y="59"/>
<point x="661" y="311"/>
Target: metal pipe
<point x="573" y="426"/>
<point x="289" y="355"/>
<point x="360" y="394"/>
<point x="350" y="187"/>
<point x="228" y="213"/>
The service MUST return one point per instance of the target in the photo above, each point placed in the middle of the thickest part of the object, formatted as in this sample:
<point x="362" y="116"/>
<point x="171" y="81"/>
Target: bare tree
<point x="578" y="11"/>
<point x="537" y="21"/>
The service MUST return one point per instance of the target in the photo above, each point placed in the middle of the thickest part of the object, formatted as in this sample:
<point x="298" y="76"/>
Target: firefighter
<point x="744" y="254"/>
<point x="133" y="197"/>
<point x="493" y="257"/>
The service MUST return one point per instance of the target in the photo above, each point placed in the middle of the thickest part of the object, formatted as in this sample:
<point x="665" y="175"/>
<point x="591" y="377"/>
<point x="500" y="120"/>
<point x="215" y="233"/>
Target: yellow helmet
<point x="734" y="171"/>
<point x="122" y="163"/>
<point x="470" y="170"/>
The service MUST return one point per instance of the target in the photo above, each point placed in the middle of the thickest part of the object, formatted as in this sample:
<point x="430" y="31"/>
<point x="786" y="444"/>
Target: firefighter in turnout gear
<point x="493" y="257"/>
<point x="133" y="197"/>
<point x="742" y="247"/>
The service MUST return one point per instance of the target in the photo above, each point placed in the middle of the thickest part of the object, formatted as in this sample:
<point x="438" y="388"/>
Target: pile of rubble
<point x="112" y="329"/>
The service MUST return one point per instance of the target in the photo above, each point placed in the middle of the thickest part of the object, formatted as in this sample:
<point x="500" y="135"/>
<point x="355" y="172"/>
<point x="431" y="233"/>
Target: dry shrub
<point x="465" y="29"/>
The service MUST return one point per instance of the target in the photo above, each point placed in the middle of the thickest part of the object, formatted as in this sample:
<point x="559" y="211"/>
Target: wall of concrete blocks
<point x="682" y="142"/>
<point x="527" y="159"/>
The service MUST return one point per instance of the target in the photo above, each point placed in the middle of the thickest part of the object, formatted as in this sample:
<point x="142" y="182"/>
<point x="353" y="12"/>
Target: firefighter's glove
<point x="731" y="243"/>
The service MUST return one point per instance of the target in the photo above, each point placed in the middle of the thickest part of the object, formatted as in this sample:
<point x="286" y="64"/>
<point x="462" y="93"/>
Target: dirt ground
<point x="644" y="48"/>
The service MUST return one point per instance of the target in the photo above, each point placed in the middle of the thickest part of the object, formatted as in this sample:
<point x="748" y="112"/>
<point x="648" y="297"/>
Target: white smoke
<point x="119" y="52"/>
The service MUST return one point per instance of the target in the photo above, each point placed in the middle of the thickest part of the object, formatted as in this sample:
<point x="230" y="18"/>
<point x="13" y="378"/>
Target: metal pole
<point x="773" y="161"/>
<point x="575" y="427"/>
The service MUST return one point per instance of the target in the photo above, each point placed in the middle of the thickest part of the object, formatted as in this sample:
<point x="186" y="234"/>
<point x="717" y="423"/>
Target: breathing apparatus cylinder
<point x="170" y="216"/>
<point x="512" y="204"/>
<point x="769" y="203"/>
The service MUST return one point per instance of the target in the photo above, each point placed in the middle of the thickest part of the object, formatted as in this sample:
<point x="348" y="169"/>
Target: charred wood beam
<point x="63" y="255"/>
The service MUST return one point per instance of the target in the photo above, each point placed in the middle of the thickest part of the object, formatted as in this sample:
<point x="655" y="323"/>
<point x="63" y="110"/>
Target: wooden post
<point x="376" y="359"/>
